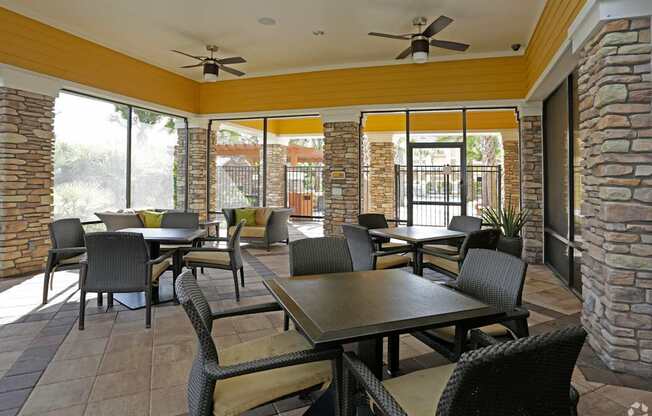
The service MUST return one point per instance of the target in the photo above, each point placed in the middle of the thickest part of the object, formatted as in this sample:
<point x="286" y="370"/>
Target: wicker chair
<point x="180" y="220"/>
<point x="497" y="279"/>
<point x="364" y="255"/>
<point x="530" y="376"/>
<point x="462" y="223"/>
<point x="229" y="258"/>
<point x="119" y="262"/>
<point x="449" y="263"/>
<point x="68" y="248"/>
<point x="245" y="376"/>
<point x="271" y="225"/>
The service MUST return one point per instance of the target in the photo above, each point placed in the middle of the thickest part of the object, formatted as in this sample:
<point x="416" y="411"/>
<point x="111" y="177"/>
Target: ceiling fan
<point x="212" y="65"/>
<point x="420" y="42"/>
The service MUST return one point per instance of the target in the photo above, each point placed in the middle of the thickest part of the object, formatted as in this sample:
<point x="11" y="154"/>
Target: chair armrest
<point x="300" y="357"/>
<point x="383" y="399"/>
<point x="390" y="251"/>
<point x="162" y="257"/>
<point x="67" y="250"/>
<point x="248" y="310"/>
<point x="222" y="249"/>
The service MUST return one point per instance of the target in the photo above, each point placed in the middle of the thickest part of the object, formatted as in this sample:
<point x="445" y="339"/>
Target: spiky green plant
<point x="509" y="220"/>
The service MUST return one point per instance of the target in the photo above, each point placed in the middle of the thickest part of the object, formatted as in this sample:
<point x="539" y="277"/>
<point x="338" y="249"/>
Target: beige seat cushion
<point x="250" y="231"/>
<point x="166" y="247"/>
<point x="72" y="260"/>
<point x="448" y="333"/>
<point x="443" y="248"/>
<point x="159" y="268"/>
<point x="395" y="245"/>
<point x="219" y="258"/>
<point x="239" y="394"/>
<point x="392" y="260"/>
<point x="442" y="263"/>
<point x="418" y="393"/>
<point x="262" y="216"/>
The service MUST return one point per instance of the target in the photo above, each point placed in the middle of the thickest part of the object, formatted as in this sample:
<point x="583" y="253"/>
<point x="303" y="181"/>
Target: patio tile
<point x="131" y="405"/>
<point x="174" y="352"/>
<point x="126" y="360"/>
<point x="76" y="349"/>
<point x="74" y="369"/>
<point x="173" y="373"/>
<point x="171" y="401"/>
<point x="57" y="396"/>
<point x="7" y="359"/>
<point x="124" y="383"/>
<point x="141" y="340"/>
<point x="13" y="399"/>
<point x="19" y="382"/>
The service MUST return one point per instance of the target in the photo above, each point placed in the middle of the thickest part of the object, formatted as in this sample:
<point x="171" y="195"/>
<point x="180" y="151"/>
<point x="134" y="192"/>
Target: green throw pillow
<point x="247" y="214"/>
<point x="152" y="219"/>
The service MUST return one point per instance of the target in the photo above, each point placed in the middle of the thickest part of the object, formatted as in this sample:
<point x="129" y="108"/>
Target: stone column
<point x="277" y="158"/>
<point x="341" y="170"/>
<point x="26" y="179"/>
<point x="381" y="174"/>
<point x="511" y="169"/>
<point x="197" y="174"/>
<point x="615" y="93"/>
<point x="532" y="182"/>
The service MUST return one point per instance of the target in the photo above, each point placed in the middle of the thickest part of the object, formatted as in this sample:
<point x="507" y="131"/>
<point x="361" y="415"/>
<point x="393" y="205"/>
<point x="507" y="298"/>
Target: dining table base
<point x="136" y="300"/>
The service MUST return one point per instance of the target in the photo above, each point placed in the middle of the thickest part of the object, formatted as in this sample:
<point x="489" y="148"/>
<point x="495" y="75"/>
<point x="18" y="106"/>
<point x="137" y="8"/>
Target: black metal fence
<point x="238" y="186"/>
<point x="305" y="190"/>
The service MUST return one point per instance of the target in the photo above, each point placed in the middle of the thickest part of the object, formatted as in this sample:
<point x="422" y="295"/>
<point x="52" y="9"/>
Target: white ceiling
<point x="148" y="29"/>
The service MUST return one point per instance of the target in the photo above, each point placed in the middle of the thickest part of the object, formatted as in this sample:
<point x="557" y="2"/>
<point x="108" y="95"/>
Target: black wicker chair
<point x="245" y="376"/>
<point x="174" y="219"/>
<point x="229" y="258"/>
<point x="67" y="252"/>
<point x="463" y="223"/>
<point x="118" y="262"/>
<point x="497" y="279"/>
<point x="449" y="263"/>
<point x="530" y="376"/>
<point x="366" y="257"/>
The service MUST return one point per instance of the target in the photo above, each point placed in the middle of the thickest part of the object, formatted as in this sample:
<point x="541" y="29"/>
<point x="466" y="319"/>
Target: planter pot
<point x="511" y="245"/>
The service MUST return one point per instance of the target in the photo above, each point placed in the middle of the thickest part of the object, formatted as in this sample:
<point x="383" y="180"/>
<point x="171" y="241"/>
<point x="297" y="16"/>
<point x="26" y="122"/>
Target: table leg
<point x="417" y="267"/>
<point x="370" y="353"/>
<point x="393" y="354"/>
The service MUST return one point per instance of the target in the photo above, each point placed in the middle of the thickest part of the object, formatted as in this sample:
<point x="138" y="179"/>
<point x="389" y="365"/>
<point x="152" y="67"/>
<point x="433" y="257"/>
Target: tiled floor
<point x="117" y="367"/>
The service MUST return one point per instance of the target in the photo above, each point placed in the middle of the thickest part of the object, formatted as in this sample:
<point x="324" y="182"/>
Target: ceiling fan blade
<point x="437" y="26"/>
<point x="387" y="35"/>
<point x="234" y="60"/>
<point x="405" y="53"/>
<point x="201" y="58"/>
<point x="191" y="66"/>
<point x="454" y="46"/>
<point x="232" y="71"/>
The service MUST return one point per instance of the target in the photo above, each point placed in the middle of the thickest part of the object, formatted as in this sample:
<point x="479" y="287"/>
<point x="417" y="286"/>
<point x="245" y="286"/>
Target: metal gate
<point x="305" y="191"/>
<point x="238" y="186"/>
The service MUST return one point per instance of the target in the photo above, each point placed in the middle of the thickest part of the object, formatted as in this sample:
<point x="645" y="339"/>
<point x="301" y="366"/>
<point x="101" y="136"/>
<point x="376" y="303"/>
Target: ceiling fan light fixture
<point x="420" y="49"/>
<point x="210" y="72"/>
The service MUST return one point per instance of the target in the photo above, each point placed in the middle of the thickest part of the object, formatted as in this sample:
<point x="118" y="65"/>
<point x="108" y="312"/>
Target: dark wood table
<point x="154" y="238"/>
<point x="417" y="236"/>
<point x="365" y="307"/>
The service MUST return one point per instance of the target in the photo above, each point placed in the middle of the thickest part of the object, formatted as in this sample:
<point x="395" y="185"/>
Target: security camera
<point x="516" y="46"/>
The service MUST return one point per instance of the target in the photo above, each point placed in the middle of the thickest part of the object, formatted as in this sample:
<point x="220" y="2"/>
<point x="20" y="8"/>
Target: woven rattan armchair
<point x="497" y="279"/>
<point x="245" y="376"/>
<point x="68" y="248"/>
<point x="118" y="262"/>
<point x="463" y="223"/>
<point x="366" y="257"/>
<point x="229" y="258"/>
<point x="529" y="376"/>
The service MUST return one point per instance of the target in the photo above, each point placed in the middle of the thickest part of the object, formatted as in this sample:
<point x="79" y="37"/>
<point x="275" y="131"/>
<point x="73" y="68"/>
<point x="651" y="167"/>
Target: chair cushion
<point x="219" y="258"/>
<point x="152" y="219"/>
<point x="418" y="393"/>
<point x="72" y="260"/>
<point x="262" y="216"/>
<point x="443" y="248"/>
<point x="159" y="268"/>
<point x="395" y="245"/>
<point x="448" y="333"/>
<point x="392" y="260"/>
<point x="239" y="394"/>
<point x="117" y="221"/>
<point x="165" y="247"/>
<point x="255" y="232"/>
<point x="442" y="263"/>
<point x="247" y="214"/>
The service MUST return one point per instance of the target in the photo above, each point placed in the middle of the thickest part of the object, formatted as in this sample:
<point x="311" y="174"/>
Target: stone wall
<point x="277" y="156"/>
<point x="197" y="173"/>
<point x="381" y="178"/>
<point x="341" y="154"/>
<point x="532" y="187"/>
<point x="511" y="173"/>
<point x="615" y="93"/>
<point x="26" y="180"/>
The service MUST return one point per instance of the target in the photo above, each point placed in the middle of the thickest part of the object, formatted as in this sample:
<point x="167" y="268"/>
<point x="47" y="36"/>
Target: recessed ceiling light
<point x="318" y="32"/>
<point x="267" y="21"/>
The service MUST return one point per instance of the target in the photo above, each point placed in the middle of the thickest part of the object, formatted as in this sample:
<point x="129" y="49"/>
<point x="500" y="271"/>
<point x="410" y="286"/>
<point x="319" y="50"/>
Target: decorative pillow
<point x="247" y="214"/>
<point x="262" y="216"/>
<point x="152" y="219"/>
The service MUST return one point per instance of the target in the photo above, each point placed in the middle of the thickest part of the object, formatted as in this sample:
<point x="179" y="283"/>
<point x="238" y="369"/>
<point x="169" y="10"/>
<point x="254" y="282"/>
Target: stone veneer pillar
<point x="615" y="93"/>
<point x="532" y="186"/>
<point x="341" y="155"/>
<point x="26" y="180"/>
<point x="381" y="174"/>
<point x="277" y="157"/>
<point x="197" y="174"/>
<point x="511" y="169"/>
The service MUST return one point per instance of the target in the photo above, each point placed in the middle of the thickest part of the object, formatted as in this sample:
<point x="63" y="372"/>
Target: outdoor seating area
<point x="259" y="208"/>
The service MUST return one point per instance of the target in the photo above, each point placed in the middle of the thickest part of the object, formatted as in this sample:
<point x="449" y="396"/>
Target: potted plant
<point x="510" y="222"/>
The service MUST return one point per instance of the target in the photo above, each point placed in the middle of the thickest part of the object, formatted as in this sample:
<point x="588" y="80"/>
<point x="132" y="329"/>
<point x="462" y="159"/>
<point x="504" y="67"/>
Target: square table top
<point x="417" y="234"/>
<point x="173" y="235"/>
<point x="347" y="307"/>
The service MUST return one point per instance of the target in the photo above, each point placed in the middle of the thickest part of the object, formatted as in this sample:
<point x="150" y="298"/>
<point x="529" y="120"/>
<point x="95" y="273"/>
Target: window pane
<point x="156" y="161"/>
<point x="90" y="156"/>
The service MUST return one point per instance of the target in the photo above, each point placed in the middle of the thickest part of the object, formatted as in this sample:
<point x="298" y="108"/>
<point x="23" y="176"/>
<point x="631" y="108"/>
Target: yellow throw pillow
<point x="247" y="214"/>
<point x="152" y="219"/>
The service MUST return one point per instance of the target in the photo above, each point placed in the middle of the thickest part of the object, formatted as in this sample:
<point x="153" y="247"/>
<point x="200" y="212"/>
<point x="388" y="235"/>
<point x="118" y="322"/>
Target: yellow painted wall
<point x="549" y="34"/>
<point x="35" y="46"/>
